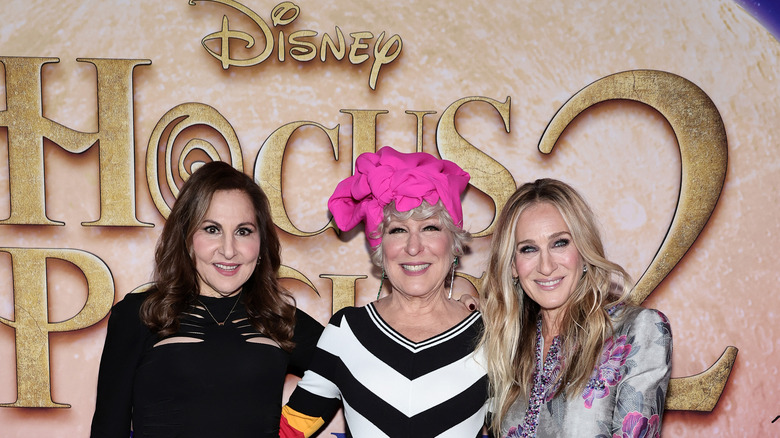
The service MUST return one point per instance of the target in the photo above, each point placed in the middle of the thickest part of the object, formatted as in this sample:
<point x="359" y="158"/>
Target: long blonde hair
<point x="509" y="336"/>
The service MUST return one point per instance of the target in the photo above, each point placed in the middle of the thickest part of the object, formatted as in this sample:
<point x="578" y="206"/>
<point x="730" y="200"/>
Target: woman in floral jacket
<point x="567" y="356"/>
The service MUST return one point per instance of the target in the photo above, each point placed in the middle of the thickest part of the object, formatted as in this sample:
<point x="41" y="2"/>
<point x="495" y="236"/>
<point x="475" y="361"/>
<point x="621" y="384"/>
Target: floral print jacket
<point x="626" y="392"/>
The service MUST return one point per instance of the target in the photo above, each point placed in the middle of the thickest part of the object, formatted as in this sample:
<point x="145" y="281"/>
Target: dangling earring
<point x="452" y="277"/>
<point x="584" y="270"/>
<point x="381" y="282"/>
<point x="516" y="283"/>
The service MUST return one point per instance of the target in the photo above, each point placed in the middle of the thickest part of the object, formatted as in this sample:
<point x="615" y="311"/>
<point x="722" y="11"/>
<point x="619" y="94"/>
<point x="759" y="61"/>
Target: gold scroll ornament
<point x="701" y="137"/>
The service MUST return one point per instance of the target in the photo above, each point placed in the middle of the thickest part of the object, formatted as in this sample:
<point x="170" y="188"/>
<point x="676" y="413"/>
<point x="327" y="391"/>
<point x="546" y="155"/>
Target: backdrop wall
<point x="522" y="60"/>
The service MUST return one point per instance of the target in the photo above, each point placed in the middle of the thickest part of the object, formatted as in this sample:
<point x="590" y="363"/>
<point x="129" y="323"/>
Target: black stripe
<point x="304" y="401"/>
<point x="432" y="422"/>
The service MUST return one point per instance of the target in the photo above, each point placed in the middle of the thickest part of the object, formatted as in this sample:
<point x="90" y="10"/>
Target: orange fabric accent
<point x="294" y="424"/>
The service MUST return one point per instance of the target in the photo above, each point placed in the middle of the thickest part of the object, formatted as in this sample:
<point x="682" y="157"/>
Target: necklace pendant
<point x="228" y="315"/>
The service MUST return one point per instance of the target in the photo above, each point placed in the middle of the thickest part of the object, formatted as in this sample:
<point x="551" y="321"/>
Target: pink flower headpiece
<point x="391" y="176"/>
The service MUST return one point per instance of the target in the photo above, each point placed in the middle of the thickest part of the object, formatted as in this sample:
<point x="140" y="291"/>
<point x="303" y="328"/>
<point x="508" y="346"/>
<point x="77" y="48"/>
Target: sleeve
<point x="642" y="392"/>
<point x="122" y="350"/>
<point x="317" y="397"/>
<point x="307" y="333"/>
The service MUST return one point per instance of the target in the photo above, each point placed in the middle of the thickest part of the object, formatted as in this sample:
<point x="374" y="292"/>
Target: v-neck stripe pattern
<point x="412" y="346"/>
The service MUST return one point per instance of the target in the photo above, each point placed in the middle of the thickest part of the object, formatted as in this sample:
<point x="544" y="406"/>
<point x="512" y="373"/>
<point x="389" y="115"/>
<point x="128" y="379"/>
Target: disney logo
<point x="300" y="44"/>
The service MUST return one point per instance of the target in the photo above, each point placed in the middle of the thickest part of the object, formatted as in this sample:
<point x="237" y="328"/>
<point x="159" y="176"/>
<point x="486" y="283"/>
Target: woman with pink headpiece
<point x="404" y="365"/>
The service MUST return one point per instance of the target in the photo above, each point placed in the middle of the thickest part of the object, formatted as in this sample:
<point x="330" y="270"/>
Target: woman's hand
<point x="471" y="302"/>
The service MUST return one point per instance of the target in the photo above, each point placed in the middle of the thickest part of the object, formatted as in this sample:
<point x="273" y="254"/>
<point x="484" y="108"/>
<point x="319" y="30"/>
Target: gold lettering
<point x="701" y="138"/>
<point x="701" y="392"/>
<point x="27" y="128"/>
<point x="287" y="272"/>
<point x="23" y="118"/>
<point x="487" y="174"/>
<point x="343" y="289"/>
<point x="475" y="281"/>
<point x="357" y="44"/>
<point x="363" y="131"/>
<point x="117" y="142"/>
<point x="419" y="115"/>
<point x="284" y="13"/>
<point x="31" y="322"/>
<point x="281" y="51"/>
<point x="182" y="117"/>
<point x="225" y="34"/>
<point x="302" y="50"/>
<point x="268" y="173"/>
<point x="381" y="56"/>
<point x="327" y="42"/>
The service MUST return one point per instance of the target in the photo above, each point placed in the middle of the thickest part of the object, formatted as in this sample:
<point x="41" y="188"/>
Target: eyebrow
<point x="396" y="223"/>
<point x="552" y="237"/>
<point x="242" y="224"/>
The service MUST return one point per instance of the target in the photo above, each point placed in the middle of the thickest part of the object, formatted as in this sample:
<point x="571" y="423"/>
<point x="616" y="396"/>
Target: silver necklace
<point x="229" y="313"/>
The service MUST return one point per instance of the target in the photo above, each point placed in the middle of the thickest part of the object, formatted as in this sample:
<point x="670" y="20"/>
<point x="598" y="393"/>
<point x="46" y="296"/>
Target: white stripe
<point x="409" y="397"/>
<point x="359" y="425"/>
<point x="316" y="384"/>
<point x="444" y="384"/>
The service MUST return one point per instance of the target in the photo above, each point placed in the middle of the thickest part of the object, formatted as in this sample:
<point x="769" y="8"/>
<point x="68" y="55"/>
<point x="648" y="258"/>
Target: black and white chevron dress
<point x="391" y="386"/>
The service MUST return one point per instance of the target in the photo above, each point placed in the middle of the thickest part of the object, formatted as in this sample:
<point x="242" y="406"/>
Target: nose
<point x="546" y="263"/>
<point x="228" y="248"/>
<point x="413" y="244"/>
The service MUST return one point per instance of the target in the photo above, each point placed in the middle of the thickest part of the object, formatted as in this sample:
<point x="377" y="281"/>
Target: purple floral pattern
<point x="545" y="385"/>
<point x="554" y="369"/>
<point x="608" y="372"/>
<point x="636" y="425"/>
<point x="625" y="394"/>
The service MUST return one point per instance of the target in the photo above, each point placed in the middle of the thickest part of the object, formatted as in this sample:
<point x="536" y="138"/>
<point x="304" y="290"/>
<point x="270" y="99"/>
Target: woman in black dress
<point x="204" y="352"/>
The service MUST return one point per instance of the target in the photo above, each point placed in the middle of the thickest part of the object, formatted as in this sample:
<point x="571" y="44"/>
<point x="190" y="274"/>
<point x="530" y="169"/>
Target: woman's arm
<point x="641" y="393"/>
<point x="307" y="333"/>
<point x="121" y="352"/>
<point x="316" y="398"/>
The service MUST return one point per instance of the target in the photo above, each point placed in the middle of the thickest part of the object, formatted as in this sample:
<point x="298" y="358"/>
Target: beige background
<point x="622" y="156"/>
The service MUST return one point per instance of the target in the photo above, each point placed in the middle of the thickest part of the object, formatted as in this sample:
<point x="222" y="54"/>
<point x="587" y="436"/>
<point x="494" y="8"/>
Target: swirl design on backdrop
<point x="174" y="122"/>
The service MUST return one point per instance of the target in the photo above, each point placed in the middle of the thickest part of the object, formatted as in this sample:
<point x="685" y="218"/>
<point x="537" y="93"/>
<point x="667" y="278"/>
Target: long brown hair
<point x="270" y="308"/>
<point x="509" y="337"/>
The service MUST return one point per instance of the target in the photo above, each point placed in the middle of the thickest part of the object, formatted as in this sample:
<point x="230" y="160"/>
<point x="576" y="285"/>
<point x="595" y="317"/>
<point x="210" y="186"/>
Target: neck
<point x="551" y="324"/>
<point x="418" y="319"/>
<point x="423" y="305"/>
<point x="215" y="294"/>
